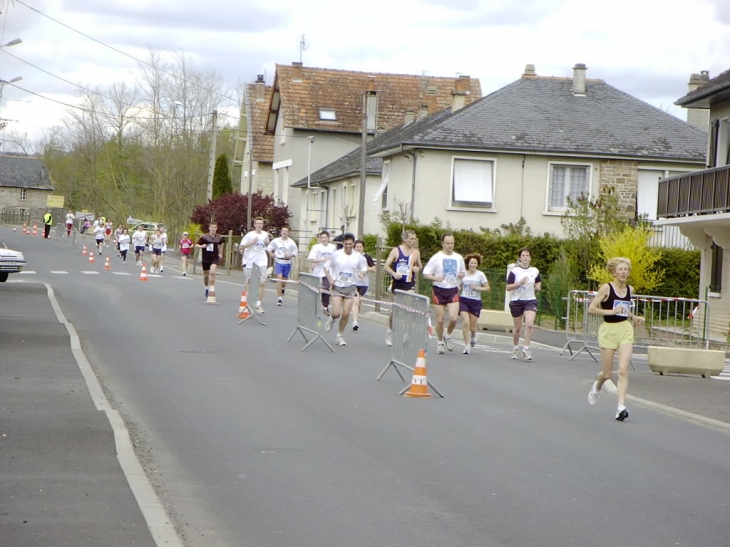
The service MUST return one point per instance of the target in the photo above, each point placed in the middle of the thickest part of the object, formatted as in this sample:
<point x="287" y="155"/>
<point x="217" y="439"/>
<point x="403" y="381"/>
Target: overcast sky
<point x="647" y="48"/>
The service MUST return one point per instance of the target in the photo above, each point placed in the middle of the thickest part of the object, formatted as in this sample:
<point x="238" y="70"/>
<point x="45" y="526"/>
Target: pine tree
<point x="221" y="177"/>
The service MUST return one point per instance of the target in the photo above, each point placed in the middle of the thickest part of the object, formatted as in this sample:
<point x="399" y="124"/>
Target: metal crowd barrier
<point x="669" y="321"/>
<point x="410" y="333"/>
<point x="253" y="292"/>
<point x="309" y="319"/>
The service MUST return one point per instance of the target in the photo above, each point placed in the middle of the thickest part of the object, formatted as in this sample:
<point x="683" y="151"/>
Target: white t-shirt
<point x="477" y="279"/>
<point x="99" y="232"/>
<point x="281" y="247"/>
<point x="123" y="241"/>
<point x="344" y="268"/>
<point x="139" y="238"/>
<point x="164" y="242"/>
<point x="70" y="218"/>
<point x="448" y="266"/>
<point x="256" y="253"/>
<point x="320" y="251"/>
<point x="526" y="291"/>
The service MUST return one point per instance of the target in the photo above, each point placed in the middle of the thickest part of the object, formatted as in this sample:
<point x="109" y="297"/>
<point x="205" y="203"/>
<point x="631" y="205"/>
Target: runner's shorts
<point x="401" y="285"/>
<point x="362" y="290"/>
<point x="284" y="270"/>
<point x="345" y="292"/>
<point x="471" y="306"/>
<point x="518" y="307"/>
<point x="614" y="335"/>
<point x="441" y="296"/>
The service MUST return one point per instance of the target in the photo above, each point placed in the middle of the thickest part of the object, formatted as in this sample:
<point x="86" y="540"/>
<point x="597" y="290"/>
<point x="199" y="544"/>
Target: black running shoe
<point x="622" y="414"/>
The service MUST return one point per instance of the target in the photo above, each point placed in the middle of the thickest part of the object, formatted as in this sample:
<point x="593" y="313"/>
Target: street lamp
<point x="12" y="43"/>
<point x="2" y="85"/>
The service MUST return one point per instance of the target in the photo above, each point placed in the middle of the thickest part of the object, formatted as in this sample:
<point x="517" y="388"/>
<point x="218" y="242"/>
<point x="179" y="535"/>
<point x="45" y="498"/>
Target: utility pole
<point x="369" y="104"/>
<point x="211" y="161"/>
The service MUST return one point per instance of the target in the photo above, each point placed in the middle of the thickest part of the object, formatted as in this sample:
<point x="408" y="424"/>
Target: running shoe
<point x="328" y="324"/>
<point x="355" y="326"/>
<point x="340" y="341"/>
<point x="622" y="414"/>
<point x="206" y="292"/>
<point x="161" y="270"/>
<point x="185" y="273"/>
<point x="279" y="301"/>
<point x="260" y="309"/>
<point x="467" y="350"/>
<point x="325" y="310"/>
<point x="593" y="394"/>
<point x="527" y="354"/>
<point x="473" y="340"/>
<point x="449" y="343"/>
<point x="389" y="337"/>
<point x="440" y="348"/>
<point x="515" y="352"/>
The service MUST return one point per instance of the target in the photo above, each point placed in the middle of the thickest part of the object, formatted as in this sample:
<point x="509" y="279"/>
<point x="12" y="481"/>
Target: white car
<point x="10" y="262"/>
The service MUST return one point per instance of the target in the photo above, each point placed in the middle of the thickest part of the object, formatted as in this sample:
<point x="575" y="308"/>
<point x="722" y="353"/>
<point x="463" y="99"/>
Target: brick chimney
<point x="259" y="88"/>
<point x="423" y="110"/>
<point x="460" y="93"/>
<point x="410" y="115"/>
<point x="296" y="72"/>
<point x="529" y="71"/>
<point x="699" y="117"/>
<point x="579" y="79"/>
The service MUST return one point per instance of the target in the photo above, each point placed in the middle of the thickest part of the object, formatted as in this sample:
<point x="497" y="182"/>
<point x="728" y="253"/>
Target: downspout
<point x="522" y="186"/>
<point x="413" y="185"/>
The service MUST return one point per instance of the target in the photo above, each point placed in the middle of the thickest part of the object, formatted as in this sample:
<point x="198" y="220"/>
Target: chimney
<point x="699" y="117"/>
<point x="410" y="116"/>
<point x="423" y="110"/>
<point x="260" y="88"/>
<point x="529" y="71"/>
<point x="461" y="91"/>
<point x="296" y="72"/>
<point x="579" y="79"/>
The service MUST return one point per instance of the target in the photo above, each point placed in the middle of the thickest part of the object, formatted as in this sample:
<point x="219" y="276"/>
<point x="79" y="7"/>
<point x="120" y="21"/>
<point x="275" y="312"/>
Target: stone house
<point x="25" y="185"/>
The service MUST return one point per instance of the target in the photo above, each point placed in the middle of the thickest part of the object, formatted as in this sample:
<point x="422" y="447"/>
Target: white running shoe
<point x="473" y="340"/>
<point x="279" y="301"/>
<point x="515" y="352"/>
<point x="440" y="348"/>
<point x="466" y="351"/>
<point x="527" y="354"/>
<point x="328" y="324"/>
<point x="340" y="341"/>
<point x="260" y="309"/>
<point x="185" y="273"/>
<point x="389" y="337"/>
<point x="593" y="394"/>
<point x="355" y="326"/>
<point x="449" y="343"/>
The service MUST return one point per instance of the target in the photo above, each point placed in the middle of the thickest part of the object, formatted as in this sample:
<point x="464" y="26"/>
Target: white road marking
<point x="60" y="272"/>
<point x="27" y="272"/>
<point x="89" y="273"/>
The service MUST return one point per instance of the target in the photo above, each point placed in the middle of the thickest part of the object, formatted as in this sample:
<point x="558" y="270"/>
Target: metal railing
<point x="697" y="193"/>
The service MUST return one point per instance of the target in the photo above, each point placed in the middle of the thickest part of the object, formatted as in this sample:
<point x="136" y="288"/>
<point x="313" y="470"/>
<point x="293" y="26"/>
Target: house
<point x="314" y="116"/>
<point x="699" y="202"/>
<point x="25" y="185"/>
<point x="524" y="149"/>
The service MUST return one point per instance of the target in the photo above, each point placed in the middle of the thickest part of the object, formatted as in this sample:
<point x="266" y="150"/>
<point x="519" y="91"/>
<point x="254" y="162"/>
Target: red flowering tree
<point x="230" y="210"/>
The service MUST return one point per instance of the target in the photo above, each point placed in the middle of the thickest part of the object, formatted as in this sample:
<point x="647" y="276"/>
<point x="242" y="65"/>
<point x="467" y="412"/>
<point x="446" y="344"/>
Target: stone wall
<point x="10" y="197"/>
<point x="621" y="176"/>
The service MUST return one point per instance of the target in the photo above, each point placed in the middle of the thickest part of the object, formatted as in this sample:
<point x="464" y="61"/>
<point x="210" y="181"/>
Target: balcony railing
<point x="698" y="193"/>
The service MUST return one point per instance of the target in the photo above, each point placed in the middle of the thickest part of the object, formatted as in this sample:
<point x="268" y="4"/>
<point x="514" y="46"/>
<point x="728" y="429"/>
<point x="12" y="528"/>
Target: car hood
<point x="8" y="254"/>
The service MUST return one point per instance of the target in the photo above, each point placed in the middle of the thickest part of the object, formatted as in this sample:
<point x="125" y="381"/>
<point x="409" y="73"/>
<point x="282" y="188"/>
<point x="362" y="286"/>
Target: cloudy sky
<point x="647" y="48"/>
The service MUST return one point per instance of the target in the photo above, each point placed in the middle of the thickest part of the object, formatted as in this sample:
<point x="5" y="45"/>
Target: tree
<point x="229" y="213"/>
<point x="631" y="243"/>
<point x="221" y="177"/>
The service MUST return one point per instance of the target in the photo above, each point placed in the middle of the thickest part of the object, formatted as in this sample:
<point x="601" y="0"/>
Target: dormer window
<point x="327" y="114"/>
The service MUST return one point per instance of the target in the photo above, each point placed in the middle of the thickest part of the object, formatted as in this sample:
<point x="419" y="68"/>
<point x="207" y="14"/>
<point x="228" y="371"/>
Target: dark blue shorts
<point x="441" y="296"/>
<point x="282" y="269"/>
<point x="362" y="289"/>
<point x="402" y="285"/>
<point x="471" y="305"/>
<point x="518" y="307"/>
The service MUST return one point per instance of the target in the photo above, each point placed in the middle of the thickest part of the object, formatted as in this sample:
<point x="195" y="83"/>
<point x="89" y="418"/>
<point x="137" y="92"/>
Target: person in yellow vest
<point x="48" y="221"/>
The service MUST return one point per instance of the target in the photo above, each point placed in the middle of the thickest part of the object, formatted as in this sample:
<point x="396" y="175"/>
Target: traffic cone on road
<point x="419" y="383"/>
<point x="143" y="273"/>
<point x="25" y="228"/>
<point x="91" y="258"/>
<point x="243" y="310"/>
<point x="211" y="295"/>
<point x="35" y="229"/>
<point x="107" y="264"/>
<point x="85" y="251"/>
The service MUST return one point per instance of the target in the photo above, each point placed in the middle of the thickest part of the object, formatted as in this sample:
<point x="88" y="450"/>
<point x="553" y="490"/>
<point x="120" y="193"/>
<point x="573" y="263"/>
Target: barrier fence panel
<point x="410" y="332"/>
<point x="669" y="321"/>
<point x="309" y="319"/>
<point x="253" y="290"/>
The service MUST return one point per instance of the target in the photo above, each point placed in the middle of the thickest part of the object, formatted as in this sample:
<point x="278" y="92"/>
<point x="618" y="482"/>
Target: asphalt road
<point x="250" y="441"/>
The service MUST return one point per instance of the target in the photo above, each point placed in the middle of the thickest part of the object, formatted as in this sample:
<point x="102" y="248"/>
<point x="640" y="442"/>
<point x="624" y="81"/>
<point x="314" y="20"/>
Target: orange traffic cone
<point x="85" y="251"/>
<point x="243" y="311"/>
<point x="91" y="258"/>
<point x="25" y="228"/>
<point x="419" y="383"/>
<point x="35" y="229"/>
<point x="143" y="273"/>
<point x="107" y="265"/>
<point x="211" y="295"/>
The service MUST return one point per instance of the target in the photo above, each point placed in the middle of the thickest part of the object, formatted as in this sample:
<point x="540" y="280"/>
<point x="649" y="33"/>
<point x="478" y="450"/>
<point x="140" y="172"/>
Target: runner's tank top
<point x="615" y="300"/>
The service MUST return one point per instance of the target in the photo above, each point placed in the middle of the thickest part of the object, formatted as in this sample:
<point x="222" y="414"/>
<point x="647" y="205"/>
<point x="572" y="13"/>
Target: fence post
<point x="378" y="273"/>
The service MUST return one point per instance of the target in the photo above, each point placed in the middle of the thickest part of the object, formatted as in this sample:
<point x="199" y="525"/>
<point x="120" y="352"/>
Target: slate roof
<point x="541" y="115"/>
<point x="262" y="143"/>
<point x="304" y="90"/>
<point x="715" y="90"/>
<point x="24" y="172"/>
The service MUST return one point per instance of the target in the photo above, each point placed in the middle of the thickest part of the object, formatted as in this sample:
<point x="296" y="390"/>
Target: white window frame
<point x="23" y="193"/>
<point x="480" y="205"/>
<point x="568" y="164"/>
<point x="382" y="193"/>
<point x="328" y="114"/>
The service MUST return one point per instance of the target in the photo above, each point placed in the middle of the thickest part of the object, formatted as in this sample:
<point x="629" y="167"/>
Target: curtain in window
<point x="557" y="187"/>
<point x="473" y="181"/>
<point x="578" y="182"/>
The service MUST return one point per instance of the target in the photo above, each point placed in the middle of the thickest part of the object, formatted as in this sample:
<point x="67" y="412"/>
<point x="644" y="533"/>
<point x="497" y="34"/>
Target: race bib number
<point x="259" y="247"/>
<point x="468" y="292"/>
<point x="345" y="278"/>
<point x="404" y="270"/>
<point x="209" y="247"/>
<point x="624" y="307"/>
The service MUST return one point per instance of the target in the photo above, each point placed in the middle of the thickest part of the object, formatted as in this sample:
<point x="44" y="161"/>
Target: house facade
<point x="699" y="202"/>
<point x="25" y="185"/>
<point x="523" y="150"/>
<point x="315" y="116"/>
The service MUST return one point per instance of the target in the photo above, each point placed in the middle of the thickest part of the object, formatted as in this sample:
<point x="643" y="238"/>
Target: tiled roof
<point x="304" y="90"/>
<point x="262" y="143"/>
<point x="24" y="172"/>
<point x="720" y="84"/>
<point x="541" y="115"/>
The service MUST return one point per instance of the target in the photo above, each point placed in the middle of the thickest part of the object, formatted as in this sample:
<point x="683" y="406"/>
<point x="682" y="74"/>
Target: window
<point x="472" y="184"/>
<point x="382" y="193"/>
<point x="647" y="193"/>
<point x="328" y="114"/>
<point x="716" y="268"/>
<point x="567" y="181"/>
<point x="23" y="193"/>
